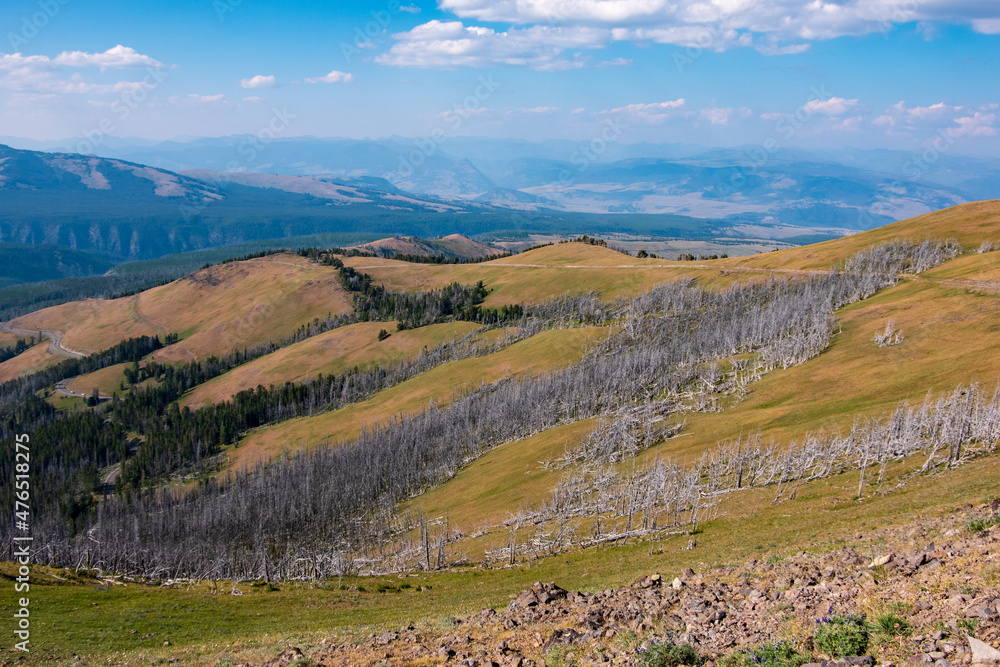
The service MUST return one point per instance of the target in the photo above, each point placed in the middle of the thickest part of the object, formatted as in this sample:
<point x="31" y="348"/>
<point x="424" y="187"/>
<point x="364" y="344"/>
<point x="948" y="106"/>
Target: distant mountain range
<point x="143" y="199"/>
<point x="118" y="209"/>
<point x="843" y="190"/>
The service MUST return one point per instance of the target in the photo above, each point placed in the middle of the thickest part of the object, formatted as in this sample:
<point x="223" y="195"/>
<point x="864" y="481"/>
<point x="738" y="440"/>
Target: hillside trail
<point x="137" y="315"/>
<point x="56" y="337"/>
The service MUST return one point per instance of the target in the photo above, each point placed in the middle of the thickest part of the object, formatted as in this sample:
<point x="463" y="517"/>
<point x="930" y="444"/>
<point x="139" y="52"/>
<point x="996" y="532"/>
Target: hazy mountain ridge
<point x="845" y="188"/>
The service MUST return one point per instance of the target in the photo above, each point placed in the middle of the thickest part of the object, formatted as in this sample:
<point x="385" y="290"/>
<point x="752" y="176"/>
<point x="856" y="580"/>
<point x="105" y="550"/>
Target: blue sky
<point x="812" y="73"/>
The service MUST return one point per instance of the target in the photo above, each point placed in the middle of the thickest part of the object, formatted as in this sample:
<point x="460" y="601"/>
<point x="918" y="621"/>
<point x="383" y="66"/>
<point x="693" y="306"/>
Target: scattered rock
<point x="983" y="653"/>
<point x="286" y="657"/>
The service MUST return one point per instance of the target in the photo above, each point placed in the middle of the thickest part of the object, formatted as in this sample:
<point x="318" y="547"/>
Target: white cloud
<point x="253" y="98"/>
<point x="716" y="115"/>
<point x="259" y="81"/>
<point x="835" y="106"/>
<point x="450" y="44"/>
<point x="852" y="124"/>
<point x="655" y="112"/>
<point x="332" y="77"/>
<point x="901" y="116"/>
<point x="539" y="110"/>
<point x="989" y="26"/>
<point x="117" y="57"/>
<point x="412" y="9"/>
<point x="956" y="120"/>
<point x="775" y="50"/>
<point x="38" y="74"/>
<point x="711" y="37"/>
<point x="977" y="125"/>
<point x="783" y="24"/>
<point x="196" y="99"/>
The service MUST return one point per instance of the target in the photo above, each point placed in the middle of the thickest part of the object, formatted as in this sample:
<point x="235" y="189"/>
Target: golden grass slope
<point x="537" y="275"/>
<point x="332" y="352"/>
<point x="542" y="352"/>
<point x="969" y="224"/>
<point x="215" y="310"/>
<point x="107" y="381"/>
<point x="454" y="245"/>
<point x="30" y="361"/>
<point x="951" y="337"/>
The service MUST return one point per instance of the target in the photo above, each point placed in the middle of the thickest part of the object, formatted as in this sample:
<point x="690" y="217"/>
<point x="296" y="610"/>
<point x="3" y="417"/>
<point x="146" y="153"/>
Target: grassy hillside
<point x="107" y="381"/>
<point x="969" y="224"/>
<point x="30" y="361"/>
<point x="949" y="318"/>
<point x="214" y="310"/>
<point x="545" y="351"/>
<point x="453" y="245"/>
<point x="949" y="339"/>
<point x="129" y="625"/>
<point x="540" y="274"/>
<point x="332" y="352"/>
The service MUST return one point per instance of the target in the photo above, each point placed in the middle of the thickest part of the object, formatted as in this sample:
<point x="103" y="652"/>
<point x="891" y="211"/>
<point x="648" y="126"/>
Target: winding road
<point x="56" y="346"/>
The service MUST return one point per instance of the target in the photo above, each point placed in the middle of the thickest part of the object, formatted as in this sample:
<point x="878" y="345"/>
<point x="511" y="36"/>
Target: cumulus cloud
<point x="450" y="44"/>
<point x="835" y="106"/>
<point x="979" y="124"/>
<point x="989" y="26"/>
<point x="716" y="115"/>
<point x="652" y="113"/>
<point x="44" y="75"/>
<point x="782" y="24"/>
<point x="332" y="77"/>
<point x="192" y="99"/>
<point x="956" y="120"/>
<point x="259" y="81"/>
<point x="711" y="37"/>
<point x="899" y="115"/>
<point x="116" y="58"/>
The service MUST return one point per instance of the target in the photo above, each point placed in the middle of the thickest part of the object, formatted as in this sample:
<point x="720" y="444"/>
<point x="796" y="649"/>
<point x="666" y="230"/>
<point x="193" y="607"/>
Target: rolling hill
<point x="214" y="311"/>
<point x="453" y="246"/>
<point x="527" y="501"/>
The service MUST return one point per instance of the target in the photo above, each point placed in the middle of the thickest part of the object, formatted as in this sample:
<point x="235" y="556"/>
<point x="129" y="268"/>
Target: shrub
<point x="841" y="636"/>
<point x="383" y="334"/>
<point x="891" y="625"/>
<point x="977" y="525"/>
<point x="669" y="654"/>
<point x="778" y="654"/>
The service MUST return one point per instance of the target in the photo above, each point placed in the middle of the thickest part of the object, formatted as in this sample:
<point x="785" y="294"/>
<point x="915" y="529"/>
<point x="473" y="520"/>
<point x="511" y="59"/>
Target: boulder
<point x="983" y="653"/>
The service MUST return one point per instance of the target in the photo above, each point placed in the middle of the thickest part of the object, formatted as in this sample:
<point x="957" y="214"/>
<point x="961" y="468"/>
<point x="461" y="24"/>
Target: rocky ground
<point x="938" y="575"/>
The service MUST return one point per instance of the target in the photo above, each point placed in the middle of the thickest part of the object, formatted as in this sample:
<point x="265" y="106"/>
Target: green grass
<point x="97" y="620"/>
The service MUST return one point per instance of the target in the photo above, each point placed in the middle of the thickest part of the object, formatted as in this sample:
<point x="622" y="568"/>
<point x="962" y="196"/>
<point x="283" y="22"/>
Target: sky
<point x="901" y="74"/>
